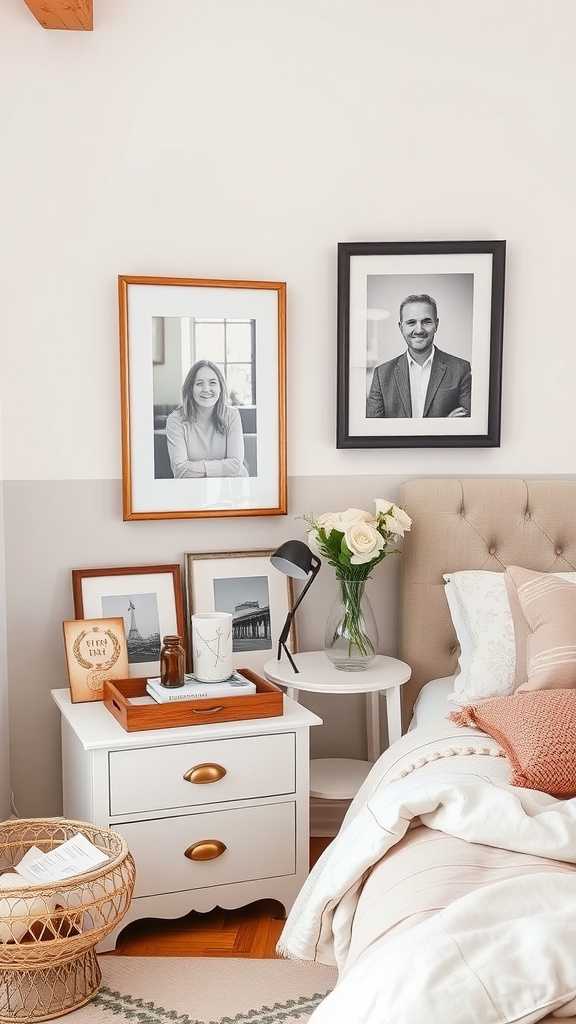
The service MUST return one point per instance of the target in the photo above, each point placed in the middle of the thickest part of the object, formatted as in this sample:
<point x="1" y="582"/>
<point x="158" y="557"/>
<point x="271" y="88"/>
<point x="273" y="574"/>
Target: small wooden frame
<point x="200" y="595"/>
<point x="63" y="14"/>
<point x="87" y="608"/>
<point x="130" y="570"/>
<point x="267" y="702"/>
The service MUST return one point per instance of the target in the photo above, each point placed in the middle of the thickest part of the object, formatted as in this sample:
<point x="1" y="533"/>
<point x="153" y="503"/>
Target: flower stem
<point x="354" y="627"/>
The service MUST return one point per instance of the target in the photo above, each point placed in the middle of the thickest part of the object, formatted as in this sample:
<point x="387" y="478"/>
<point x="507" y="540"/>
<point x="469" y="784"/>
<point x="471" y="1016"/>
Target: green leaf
<point x="345" y="553"/>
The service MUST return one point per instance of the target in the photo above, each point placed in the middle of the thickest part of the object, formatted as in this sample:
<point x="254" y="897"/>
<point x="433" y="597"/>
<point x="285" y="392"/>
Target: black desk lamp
<point x="294" y="559"/>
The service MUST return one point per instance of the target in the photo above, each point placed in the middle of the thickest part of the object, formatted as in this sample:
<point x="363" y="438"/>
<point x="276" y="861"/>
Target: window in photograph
<point x="231" y="345"/>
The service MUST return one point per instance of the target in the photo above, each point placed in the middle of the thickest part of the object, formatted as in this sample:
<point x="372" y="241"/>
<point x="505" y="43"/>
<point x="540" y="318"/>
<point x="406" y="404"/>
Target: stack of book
<point x="235" y="686"/>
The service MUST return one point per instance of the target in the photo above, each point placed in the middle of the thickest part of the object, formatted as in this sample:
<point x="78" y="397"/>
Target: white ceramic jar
<point x="212" y="646"/>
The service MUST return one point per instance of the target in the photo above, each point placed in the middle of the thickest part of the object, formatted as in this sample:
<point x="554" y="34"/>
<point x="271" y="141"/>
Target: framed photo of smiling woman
<point x="420" y="344"/>
<point x="203" y="397"/>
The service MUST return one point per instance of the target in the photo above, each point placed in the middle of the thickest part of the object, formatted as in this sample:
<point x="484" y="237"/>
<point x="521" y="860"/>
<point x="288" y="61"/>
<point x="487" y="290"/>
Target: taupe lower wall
<point x="4" y="725"/>
<point x="55" y="526"/>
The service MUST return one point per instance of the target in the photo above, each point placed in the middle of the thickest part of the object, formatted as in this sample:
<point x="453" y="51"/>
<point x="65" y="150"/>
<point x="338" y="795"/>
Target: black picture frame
<point x="491" y="439"/>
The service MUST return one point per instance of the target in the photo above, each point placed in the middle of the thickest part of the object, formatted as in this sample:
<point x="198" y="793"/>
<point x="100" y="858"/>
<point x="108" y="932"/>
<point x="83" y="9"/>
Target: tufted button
<point x="462" y="510"/>
<point x="492" y="549"/>
<point x="528" y="514"/>
<point x="559" y="550"/>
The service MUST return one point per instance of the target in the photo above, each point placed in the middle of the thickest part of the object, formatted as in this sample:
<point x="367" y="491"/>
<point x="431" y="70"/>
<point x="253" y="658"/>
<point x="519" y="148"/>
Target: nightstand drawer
<point x="240" y="845"/>
<point x="188" y="774"/>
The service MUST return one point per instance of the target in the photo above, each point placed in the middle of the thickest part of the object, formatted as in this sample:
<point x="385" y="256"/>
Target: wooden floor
<point x="251" y="931"/>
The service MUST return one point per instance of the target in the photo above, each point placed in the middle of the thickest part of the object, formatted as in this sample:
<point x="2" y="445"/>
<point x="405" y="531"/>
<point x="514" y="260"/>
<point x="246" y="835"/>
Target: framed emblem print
<point x="95" y="651"/>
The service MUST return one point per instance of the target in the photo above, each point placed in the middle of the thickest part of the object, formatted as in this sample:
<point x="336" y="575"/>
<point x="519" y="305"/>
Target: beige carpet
<point x="203" y="990"/>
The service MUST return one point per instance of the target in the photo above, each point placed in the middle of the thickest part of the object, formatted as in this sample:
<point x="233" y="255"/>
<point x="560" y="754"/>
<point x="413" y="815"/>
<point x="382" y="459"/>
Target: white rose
<point x="352" y="516"/>
<point x="398" y="521"/>
<point x="328" y="521"/>
<point x="402" y="517"/>
<point x="383" y="505"/>
<point x="363" y="542"/>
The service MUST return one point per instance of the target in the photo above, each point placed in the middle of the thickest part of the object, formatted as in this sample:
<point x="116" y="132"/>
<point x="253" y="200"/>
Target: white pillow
<point x="482" y="618"/>
<point x="461" y="627"/>
<point x="489" y="663"/>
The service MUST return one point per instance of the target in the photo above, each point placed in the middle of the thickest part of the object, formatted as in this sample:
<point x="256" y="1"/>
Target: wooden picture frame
<point x="460" y="287"/>
<point x="231" y="462"/>
<point x="201" y="596"/>
<point x="156" y="593"/>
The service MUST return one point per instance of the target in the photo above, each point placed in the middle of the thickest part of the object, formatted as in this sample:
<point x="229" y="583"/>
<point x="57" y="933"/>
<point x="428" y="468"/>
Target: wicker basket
<point x="48" y="966"/>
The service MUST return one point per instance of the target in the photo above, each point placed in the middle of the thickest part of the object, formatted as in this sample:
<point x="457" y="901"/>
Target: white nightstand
<point x="214" y="815"/>
<point x="340" y="778"/>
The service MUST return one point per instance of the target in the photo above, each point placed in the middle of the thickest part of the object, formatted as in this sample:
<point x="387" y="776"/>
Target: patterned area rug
<point x="205" y="990"/>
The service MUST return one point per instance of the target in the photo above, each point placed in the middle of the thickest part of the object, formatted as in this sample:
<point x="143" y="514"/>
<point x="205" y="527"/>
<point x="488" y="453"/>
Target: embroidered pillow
<point x="488" y="651"/>
<point x="548" y="604"/>
<point x="537" y="732"/>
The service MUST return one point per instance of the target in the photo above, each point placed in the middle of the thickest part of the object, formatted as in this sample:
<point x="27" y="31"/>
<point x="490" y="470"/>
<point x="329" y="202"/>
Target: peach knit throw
<point x="536" y="731"/>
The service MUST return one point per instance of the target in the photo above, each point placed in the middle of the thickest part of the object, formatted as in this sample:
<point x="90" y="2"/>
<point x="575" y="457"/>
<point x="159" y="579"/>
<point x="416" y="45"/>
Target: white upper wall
<point x="220" y="138"/>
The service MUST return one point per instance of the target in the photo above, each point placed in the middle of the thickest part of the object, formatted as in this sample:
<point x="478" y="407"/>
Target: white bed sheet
<point x="432" y="704"/>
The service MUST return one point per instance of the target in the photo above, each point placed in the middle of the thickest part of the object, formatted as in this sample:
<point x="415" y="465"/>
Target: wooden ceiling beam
<point x="66" y="14"/>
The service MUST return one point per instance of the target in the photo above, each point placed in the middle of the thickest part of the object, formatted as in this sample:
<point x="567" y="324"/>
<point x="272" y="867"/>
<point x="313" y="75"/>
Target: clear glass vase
<point x="351" y="638"/>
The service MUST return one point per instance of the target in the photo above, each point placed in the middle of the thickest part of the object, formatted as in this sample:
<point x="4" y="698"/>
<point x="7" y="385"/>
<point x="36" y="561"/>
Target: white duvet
<point x="503" y="953"/>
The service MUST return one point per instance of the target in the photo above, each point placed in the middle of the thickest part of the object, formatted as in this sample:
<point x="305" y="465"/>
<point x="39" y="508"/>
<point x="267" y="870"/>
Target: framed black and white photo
<point x="420" y="344"/>
<point x="147" y="597"/>
<point x="203" y="397"/>
<point x="245" y="584"/>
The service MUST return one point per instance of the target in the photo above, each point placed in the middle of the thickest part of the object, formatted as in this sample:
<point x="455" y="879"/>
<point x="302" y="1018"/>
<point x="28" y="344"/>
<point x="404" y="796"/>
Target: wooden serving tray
<point x="267" y="702"/>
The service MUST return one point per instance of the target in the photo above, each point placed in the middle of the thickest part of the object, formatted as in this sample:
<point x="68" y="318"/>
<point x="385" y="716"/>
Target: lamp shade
<point x="294" y="558"/>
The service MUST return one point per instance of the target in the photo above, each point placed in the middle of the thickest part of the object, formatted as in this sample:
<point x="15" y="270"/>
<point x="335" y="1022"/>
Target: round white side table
<point x="339" y="778"/>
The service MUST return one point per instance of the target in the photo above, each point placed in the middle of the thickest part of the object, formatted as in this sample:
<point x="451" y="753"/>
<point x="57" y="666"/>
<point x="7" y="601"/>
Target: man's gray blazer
<point x="449" y="387"/>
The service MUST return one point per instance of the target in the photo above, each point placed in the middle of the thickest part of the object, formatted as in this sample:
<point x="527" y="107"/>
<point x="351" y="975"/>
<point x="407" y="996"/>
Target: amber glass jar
<point x="172" y="662"/>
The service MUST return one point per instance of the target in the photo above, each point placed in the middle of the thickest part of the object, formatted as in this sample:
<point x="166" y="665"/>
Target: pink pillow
<point x="548" y="604"/>
<point x="536" y="731"/>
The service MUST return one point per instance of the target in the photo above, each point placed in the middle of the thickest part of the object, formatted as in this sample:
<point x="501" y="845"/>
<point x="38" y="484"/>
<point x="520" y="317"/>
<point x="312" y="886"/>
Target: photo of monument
<point x="247" y="599"/>
<point x="141" y="623"/>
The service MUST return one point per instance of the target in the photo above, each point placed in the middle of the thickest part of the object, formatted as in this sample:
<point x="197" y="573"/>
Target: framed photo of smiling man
<point x="420" y="344"/>
<point x="202" y="367"/>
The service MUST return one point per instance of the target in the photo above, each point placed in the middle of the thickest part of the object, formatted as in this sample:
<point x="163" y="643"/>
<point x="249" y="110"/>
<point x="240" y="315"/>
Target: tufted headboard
<point x="474" y="523"/>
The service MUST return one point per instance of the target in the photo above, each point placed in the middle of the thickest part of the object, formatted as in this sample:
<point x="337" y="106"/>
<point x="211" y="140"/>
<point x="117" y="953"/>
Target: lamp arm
<point x="316" y="563"/>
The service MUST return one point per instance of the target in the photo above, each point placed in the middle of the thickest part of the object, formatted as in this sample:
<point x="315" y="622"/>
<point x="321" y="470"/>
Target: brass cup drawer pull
<point x="202" y="774"/>
<point x="206" y="849"/>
